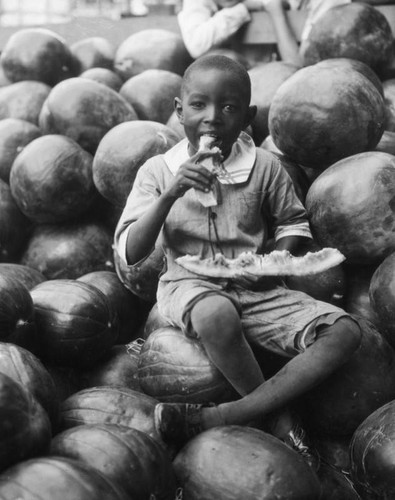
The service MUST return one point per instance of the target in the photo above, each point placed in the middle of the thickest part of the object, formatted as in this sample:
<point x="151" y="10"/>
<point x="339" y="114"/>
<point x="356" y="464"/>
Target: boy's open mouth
<point x="216" y="140"/>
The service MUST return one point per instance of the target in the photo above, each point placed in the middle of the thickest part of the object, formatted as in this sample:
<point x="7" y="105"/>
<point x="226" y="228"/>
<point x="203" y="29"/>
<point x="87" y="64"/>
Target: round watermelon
<point x="26" y="275"/>
<point x="69" y="250"/>
<point x="382" y="297"/>
<point x="105" y="76"/>
<point x="37" y="54"/>
<point x="15" y="134"/>
<point x="25" y="430"/>
<point x="351" y="208"/>
<point x="110" y="405"/>
<point x="364" y="383"/>
<point x="151" y="49"/>
<point x="175" y="368"/>
<point x="125" y="304"/>
<point x="75" y="323"/>
<point x="51" y="180"/>
<point x="118" y="368"/>
<point x="265" y="80"/>
<point x="15" y="227"/>
<point x="128" y="457"/>
<point x="84" y="110"/>
<point x="23" y="100"/>
<point x="152" y="93"/>
<point x="234" y="462"/>
<point x="122" y="151"/>
<point x="372" y="456"/>
<point x="389" y="100"/>
<point x="354" y="30"/>
<point x="356" y="298"/>
<point x="26" y="368"/>
<point x="17" y="322"/>
<point x="93" y="52"/>
<point x="57" y="478"/>
<point x="345" y="106"/>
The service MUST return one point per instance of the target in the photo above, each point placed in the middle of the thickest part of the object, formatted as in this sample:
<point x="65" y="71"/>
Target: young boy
<point x="254" y="194"/>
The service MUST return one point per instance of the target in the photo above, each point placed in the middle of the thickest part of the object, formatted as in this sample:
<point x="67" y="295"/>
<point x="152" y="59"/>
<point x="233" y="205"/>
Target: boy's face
<point x="214" y="103"/>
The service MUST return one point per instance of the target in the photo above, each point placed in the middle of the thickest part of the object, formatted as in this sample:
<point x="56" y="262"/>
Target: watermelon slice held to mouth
<point x="275" y="263"/>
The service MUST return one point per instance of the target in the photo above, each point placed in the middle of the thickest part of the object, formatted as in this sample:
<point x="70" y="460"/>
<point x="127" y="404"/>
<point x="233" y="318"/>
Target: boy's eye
<point x="197" y="104"/>
<point x="230" y="108"/>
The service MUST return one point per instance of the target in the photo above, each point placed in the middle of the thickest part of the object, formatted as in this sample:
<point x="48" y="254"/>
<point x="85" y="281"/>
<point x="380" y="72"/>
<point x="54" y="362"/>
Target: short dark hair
<point x="222" y="63"/>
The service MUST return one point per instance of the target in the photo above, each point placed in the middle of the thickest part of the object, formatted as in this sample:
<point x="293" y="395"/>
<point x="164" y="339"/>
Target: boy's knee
<point x="215" y="319"/>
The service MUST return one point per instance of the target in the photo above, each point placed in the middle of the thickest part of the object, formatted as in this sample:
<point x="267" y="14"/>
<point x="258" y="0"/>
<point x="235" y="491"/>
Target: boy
<point x="254" y="193"/>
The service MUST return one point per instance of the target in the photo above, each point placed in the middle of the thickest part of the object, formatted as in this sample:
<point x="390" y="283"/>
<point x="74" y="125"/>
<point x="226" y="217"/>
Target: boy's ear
<point x="178" y="110"/>
<point x="251" y="113"/>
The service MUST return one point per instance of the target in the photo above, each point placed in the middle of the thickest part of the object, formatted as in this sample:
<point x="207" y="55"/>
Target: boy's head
<point x="215" y="100"/>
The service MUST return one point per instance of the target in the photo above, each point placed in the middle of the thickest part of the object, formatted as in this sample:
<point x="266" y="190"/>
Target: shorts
<point x="278" y="319"/>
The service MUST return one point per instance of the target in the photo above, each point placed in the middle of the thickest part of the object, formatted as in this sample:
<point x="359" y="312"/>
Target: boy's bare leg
<point x="217" y="323"/>
<point x="333" y="347"/>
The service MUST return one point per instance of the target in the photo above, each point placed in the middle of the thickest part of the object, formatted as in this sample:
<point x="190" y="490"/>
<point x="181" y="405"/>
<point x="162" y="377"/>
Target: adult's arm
<point x="203" y="27"/>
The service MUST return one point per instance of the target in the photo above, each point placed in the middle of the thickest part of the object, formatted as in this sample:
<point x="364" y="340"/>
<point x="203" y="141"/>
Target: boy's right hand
<point x="192" y="174"/>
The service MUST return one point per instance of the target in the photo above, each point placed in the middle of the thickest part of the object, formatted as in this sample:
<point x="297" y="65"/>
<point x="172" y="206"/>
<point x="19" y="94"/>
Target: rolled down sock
<point x="208" y="199"/>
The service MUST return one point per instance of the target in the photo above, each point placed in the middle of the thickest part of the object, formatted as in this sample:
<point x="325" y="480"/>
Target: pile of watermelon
<point x="84" y="353"/>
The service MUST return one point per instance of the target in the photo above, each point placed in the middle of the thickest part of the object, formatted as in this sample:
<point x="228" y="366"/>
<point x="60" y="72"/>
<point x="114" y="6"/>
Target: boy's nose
<point x="213" y="113"/>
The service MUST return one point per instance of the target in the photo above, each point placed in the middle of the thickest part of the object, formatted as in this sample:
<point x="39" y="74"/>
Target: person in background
<point x="212" y="24"/>
<point x="134" y="8"/>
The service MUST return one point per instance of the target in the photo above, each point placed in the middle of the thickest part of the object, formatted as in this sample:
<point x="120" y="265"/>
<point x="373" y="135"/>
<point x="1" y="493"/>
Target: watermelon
<point x="15" y="134"/>
<point x="15" y="227"/>
<point x="151" y="49"/>
<point x="354" y="30"/>
<point x="364" y="383"/>
<point x="57" y="478"/>
<point x="152" y="93"/>
<point x="26" y="368"/>
<point x="345" y="106"/>
<point x="17" y="322"/>
<point x="37" y="54"/>
<point x="23" y="100"/>
<point x="51" y="180"/>
<point x="27" y="275"/>
<point x="128" y="457"/>
<point x="110" y="405"/>
<point x="123" y="302"/>
<point x="356" y="298"/>
<point x="372" y="456"/>
<point x="25" y="430"/>
<point x="265" y="80"/>
<point x="234" y="462"/>
<point x="75" y="322"/>
<point x="69" y="250"/>
<point x="175" y="368"/>
<point x="84" y="110"/>
<point x="350" y="207"/>
<point x="118" y="368"/>
<point x="389" y="100"/>
<point x="382" y="297"/>
<point x="122" y="151"/>
<point x="105" y="76"/>
<point x="93" y="52"/>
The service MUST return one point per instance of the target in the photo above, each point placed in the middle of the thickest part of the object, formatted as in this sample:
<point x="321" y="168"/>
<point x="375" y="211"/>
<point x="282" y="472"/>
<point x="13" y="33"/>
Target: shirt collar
<point x="236" y="168"/>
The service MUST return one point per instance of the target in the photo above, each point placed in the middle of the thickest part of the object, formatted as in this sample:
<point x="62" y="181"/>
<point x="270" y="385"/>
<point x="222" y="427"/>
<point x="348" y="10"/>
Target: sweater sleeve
<point x="203" y="26"/>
